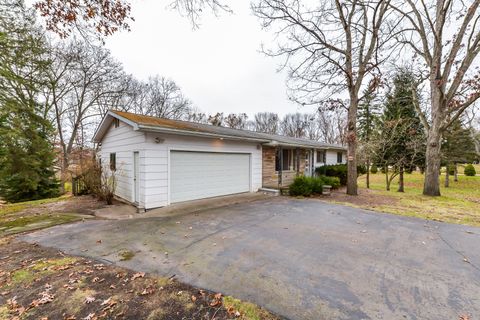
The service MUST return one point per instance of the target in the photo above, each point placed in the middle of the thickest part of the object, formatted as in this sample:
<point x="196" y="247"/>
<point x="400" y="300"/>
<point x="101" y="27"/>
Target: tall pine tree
<point x="26" y="152"/>
<point x="367" y="119"/>
<point x="458" y="146"/>
<point x="402" y="135"/>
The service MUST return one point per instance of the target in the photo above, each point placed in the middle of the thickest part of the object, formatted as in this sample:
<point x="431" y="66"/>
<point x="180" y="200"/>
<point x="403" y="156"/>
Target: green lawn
<point x="460" y="203"/>
<point x="32" y="215"/>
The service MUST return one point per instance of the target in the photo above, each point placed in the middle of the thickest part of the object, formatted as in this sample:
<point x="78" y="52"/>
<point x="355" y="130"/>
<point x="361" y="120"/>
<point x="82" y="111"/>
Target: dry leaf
<point x="138" y="275"/>
<point x="89" y="300"/>
<point x="194" y="298"/>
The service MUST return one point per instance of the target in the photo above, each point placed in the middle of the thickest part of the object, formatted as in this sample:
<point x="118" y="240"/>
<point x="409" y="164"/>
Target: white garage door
<point x="198" y="175"/>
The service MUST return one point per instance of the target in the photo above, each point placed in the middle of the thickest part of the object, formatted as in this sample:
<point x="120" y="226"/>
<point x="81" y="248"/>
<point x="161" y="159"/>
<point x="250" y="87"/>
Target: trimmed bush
<point x="317" y="184"/>
<point x="451" y="169"/>
<point x="373" y="169"/>
<point x="300" y="187"/>
<point x="338" y="170"/>
<point x="469" y="170"/>
<point x="306" y="186"/>
<point x="334" y="182"/>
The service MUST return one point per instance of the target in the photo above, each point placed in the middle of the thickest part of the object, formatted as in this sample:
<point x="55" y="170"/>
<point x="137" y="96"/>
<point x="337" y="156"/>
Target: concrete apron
<point x="126" y="211"/>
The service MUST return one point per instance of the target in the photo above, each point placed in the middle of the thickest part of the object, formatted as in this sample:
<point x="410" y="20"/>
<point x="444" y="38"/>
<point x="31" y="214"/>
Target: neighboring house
<point x="161" y="161"/>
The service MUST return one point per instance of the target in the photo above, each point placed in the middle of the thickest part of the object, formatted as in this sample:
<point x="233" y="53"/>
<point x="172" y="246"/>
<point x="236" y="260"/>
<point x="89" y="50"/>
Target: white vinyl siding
<point x="199" y="175"/>
<point x="157" y="160"/>
<point x="330" y="157"/>
<point x="123" y="141"/>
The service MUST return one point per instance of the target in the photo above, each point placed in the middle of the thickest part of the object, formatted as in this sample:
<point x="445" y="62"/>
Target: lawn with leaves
<point x="32" y="215"/>
<point x="42" y="283"/>
<point x="460" y="203"/>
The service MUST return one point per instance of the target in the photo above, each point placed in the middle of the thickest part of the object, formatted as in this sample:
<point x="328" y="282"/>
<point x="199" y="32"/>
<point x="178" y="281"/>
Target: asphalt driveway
<point x="302" y="259"/>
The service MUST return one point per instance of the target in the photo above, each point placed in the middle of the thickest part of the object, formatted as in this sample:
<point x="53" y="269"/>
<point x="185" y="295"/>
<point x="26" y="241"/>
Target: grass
<point x="246" y="310"/>
<point x="460" y="203"/>
<point x="31" y="215"/>
<point x="20" y="206"/>
<point x="15" y="224"/>
<point x="39" y="268"/>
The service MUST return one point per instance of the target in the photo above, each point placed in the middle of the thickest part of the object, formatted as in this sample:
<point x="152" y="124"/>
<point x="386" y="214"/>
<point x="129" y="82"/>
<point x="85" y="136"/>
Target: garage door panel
<point x="197" y="175"/>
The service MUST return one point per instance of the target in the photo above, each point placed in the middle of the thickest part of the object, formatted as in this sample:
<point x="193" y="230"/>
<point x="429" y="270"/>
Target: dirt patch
<point x="366" y="198"/>
<point x="39" y="283"/>
<point x="81" y="205"/>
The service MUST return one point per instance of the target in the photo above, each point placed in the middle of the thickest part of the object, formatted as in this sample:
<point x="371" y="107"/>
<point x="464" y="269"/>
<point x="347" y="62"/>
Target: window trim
<point x="113" y="161"/>
<point x="292" y="160"/>
<point x="323" y="159"/>
<point x="339" y="157"/>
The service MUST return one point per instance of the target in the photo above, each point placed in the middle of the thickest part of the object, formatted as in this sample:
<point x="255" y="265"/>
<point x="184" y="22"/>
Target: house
<point x="160" y="161"/>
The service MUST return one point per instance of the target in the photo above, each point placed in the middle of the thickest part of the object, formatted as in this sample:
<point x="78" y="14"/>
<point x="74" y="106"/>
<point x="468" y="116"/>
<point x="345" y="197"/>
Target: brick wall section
<point x="270" y="176"/>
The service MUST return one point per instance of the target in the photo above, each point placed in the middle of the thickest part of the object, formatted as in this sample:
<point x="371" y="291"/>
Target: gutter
<point x="197" y="133"/>
<point x="274" y="143"/>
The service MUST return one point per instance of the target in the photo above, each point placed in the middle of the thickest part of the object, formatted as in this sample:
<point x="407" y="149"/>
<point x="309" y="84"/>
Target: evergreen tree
<point x="402" y="135"/>
<point x="26" y="153"/>
<point x="458" y="146"/>
<point x="367" y="118"/>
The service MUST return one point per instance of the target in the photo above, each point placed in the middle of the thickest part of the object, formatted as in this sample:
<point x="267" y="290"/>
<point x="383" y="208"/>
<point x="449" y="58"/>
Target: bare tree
<point x="266" y="122"/>
<point x="295" y="125"/>
<point x="216" y="119"/>
<point x="194" y="115"/>
<point x="444" y="34"/>
<point x="236" y="121"/>
<point x="330" y="47"/>
<point x="79" y="77"/>
<point x="332" y="126"/>
<point x="105" y="17"/>
<point x="164" y="99"/>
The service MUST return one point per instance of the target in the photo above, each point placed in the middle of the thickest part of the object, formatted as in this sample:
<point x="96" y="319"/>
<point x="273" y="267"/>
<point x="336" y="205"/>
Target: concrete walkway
<point x="302" y="259"/>
<point x="125" y="211"/>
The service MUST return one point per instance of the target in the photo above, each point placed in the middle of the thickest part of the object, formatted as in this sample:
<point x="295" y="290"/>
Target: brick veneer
<point x="270" y="176"/>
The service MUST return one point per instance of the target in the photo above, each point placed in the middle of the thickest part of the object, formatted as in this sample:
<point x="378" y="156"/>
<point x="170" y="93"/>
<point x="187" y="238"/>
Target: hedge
<point x="339" y="170"/>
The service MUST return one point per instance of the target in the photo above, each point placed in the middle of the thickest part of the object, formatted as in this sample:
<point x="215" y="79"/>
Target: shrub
<point x="338" y="170"/>
<point x="451" y="169"/>
<point x="334" y="182"/>
<point x="469" y="170"/>
<point x="373" y="169"/>
<point x="301" y="186"/>
<point x="306" y="186"/>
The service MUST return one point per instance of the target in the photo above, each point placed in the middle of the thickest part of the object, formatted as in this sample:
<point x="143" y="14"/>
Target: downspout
<point x="297" y="156"/>
<point x="280" y="150"/>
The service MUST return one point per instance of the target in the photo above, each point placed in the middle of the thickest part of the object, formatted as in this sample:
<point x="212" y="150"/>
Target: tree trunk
<point x="447" y="177"/>
<point x="352" y="148"/>
<point x="431" y="185"/>
<point x="387" y="181"/>
<point x="368" y="173"/>
<point x="455" y="172"/>
<point x="401" y="184"/>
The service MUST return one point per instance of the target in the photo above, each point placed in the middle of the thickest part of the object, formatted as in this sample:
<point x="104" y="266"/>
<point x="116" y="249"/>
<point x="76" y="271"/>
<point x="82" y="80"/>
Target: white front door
<point x="198" y="175"/>
<point x="136" y="176"/>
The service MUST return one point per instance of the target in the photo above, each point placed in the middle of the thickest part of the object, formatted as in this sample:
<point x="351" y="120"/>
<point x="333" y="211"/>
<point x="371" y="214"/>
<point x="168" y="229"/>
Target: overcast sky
<point x="218" y="66"/>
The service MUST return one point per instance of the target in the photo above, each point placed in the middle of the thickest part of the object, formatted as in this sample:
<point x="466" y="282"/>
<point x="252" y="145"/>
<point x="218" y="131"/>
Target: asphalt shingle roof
<point x="147" y="122"/>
